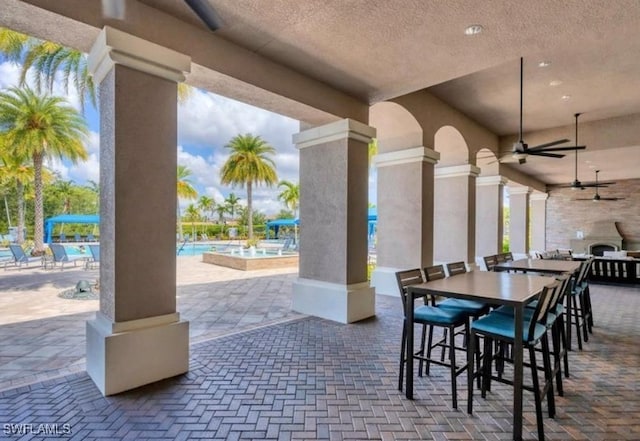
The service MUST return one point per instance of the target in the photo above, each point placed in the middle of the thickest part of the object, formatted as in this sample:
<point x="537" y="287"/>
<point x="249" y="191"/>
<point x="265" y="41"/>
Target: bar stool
<point x="429" y="315"/>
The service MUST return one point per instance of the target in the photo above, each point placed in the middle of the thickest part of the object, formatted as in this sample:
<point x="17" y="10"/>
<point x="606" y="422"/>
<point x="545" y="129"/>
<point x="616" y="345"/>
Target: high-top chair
<point x="429" y="315"/>
<point x="490" y="262"/>
<point x="501" y="327"/>
<point x="578" y="313"/>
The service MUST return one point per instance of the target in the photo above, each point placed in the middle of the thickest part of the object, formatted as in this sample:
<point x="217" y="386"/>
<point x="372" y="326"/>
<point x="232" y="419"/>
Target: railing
<point x="616" y="271"/>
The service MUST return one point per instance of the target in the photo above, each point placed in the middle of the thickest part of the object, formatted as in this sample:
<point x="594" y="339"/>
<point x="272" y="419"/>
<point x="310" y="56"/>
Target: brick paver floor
<point x="43" y="335"/>
<point x="310" y="378"/>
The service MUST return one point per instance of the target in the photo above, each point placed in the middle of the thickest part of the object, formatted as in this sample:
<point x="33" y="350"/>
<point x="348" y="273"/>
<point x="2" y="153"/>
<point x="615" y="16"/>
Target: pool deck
<point x="43" y="335"/>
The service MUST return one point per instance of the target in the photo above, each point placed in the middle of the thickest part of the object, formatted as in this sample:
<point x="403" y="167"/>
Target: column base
<point x="384" y="281"/>
<point x="123" y="356"/>
<point x="332" y="301"/>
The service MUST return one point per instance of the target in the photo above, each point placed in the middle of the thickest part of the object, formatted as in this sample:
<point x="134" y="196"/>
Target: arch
<point x="452" y="147"/>
<point x="488" y="162"/>
<point x="397" y="128"/>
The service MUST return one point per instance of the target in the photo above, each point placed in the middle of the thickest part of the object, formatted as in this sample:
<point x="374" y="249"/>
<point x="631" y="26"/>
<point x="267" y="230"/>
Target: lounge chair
<point x="94" y="260"/>
<point x="61" y="257"/>
<point x="77" y="237"/>
<point x="20" y="257"/>
<point x="62" y="237"/>
<point x="90" y="237"/>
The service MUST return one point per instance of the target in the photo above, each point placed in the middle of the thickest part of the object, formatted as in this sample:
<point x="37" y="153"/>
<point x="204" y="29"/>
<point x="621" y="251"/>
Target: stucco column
<point x="405" y="214"/>
<point x="334" y="173"/>
<point x="455" y="214"/>
<point x="489" y="215"/>
<point x="538" y="207"/>
<point x="137" y="337"/>
<point x="519" y="220"/>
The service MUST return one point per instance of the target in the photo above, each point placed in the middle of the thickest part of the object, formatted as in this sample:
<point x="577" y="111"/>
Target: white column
<point x="455" y="213"/>
<point x="489" y="215"/>
<point x="519" y="220"/>
<point x="538" y="203"/>
<point x="334" y="173"/>
<point x="137" y="336"/>
<point x="405" y="214"/>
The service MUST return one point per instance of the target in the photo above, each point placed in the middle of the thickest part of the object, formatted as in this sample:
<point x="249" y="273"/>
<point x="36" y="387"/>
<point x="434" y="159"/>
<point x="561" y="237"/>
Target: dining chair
<point x="456" y="268"/>
<point x="501" y="327"/>
<point x="508" y="257"/>
<point x="490" y="262"/>
<point x="430" y="316"/>
<point x="555" y="325"/>
<point x="500" y="258"/>
<point x="578" y="313"/>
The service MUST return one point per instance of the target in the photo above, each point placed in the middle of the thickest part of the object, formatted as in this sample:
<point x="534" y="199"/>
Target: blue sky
<point x="206" y="122"/>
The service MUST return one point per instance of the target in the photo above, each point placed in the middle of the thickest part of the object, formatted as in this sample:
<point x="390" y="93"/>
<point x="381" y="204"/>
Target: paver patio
<point x="309" y="378"/>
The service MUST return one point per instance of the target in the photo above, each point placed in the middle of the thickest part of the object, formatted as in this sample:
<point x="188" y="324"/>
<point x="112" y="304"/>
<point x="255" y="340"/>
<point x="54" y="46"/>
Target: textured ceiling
<point x="376" y="50"/>
<point x="381" y="49"/>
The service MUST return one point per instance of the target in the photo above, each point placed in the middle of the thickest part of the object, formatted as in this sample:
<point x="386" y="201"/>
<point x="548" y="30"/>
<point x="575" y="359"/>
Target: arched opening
<point x="451" y="145"/>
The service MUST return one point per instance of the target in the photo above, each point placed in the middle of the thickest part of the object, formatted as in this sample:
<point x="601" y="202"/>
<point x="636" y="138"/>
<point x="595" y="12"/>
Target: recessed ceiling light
<point x="565" y="97"/>
<point x="554" y="83"/>
<point x="544" y="64"/>
<point x="473" y="29"/>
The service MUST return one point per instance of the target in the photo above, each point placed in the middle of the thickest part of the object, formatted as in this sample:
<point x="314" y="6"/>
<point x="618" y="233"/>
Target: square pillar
<point x="538" y="207"/>
<point x="489" y="215"/>
<point x="519" y="220"/>
<point x="455" y="214"/>
<point x="405" y="214"/>
<point x="137" y="336"/>
<point x="334" y="173"/>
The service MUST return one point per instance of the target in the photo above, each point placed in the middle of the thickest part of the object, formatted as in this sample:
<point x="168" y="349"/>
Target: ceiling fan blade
<point x="205" y="11"/>
<point x="549" y="144"/>
<point x="542" y="153"/>
<point x="557" y="149"/>
<point x="114" y="9"/>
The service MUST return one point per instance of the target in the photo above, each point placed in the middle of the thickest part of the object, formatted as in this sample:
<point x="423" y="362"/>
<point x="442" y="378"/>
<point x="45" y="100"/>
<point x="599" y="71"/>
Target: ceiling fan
<point x="116" y="10"/>
<point x="576" y="184"/>
<point x="596" y="197"/>
<point x="521" y="150"/>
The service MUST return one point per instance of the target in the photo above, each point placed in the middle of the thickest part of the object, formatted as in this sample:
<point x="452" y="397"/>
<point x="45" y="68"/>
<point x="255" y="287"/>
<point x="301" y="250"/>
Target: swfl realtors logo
<point x="37" y="429"/>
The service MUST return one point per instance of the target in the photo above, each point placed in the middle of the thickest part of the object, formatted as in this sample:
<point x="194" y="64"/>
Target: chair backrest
<point x="90" y="237"/>
<point x="560" y="292"/>
<point x="405" y="279"/>
<point x="287" y="244"/>
<point x="542" y="307"/>
<point x="77" y="237"/>
<point x="59" y="253"/>
<point x="508" y="257"/>
<point x="18" y="253"/>
<point x="435" y="272"/>
<point x="95" y="252"/>
<point x="62" y="237"/>
<point x="500" y="258"/>
<point x="456" y="268"/>
<point x="490" y="262"/>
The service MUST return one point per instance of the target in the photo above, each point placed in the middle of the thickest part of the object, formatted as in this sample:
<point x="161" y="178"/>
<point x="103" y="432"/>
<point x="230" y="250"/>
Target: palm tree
<point x="39" y="127"/>
<point x="16" y="172"/>
<point x="249" y="164"/>
<point x="221" y="210"/>
<point x="185" y="191"/>
<point x="290" y="195"/>
<point x="232" y="201"/>
<point x="207" y="205"/>
<point x="45" y="59"/>
<point x="192" y="214"/>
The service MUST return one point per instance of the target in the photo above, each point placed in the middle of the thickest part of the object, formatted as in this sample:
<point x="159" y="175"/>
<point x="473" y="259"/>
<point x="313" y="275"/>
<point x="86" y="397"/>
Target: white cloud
<point x="9" y="74"/>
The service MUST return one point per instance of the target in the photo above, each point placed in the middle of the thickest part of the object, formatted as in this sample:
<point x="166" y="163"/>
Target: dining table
<point x="542" y="266"/>
<point x="496" y="288"/>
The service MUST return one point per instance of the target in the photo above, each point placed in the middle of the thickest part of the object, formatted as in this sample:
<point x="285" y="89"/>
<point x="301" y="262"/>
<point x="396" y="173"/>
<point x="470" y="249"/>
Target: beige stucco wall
<point x="454" y="219"/>
<point x="333" y="215"/>
<point x="138" y="195"/>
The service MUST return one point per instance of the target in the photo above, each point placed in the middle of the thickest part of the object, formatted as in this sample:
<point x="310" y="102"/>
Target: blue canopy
<point x="68" y="219"/>
<point x="277" y="223"/>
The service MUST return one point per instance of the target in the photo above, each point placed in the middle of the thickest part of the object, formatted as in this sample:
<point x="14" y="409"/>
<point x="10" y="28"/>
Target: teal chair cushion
<point x="504" y="325"/>
<point x="437" y="315"/>
<point x="528" y="313"/>
<point x="468" y="306"/>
